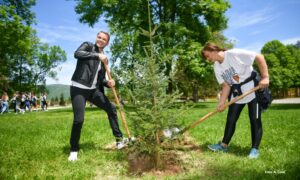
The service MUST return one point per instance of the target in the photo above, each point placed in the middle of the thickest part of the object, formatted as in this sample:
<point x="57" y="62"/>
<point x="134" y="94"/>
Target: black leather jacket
<point x="88" y="60"/>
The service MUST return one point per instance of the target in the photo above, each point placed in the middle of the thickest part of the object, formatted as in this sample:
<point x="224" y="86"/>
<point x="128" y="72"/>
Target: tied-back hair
<point x="106" y="33"/>
<point x="211" y="47"/>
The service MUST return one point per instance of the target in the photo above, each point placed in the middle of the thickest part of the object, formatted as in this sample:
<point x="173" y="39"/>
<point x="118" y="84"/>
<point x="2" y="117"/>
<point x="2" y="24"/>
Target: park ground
<point x="36" y="146"/>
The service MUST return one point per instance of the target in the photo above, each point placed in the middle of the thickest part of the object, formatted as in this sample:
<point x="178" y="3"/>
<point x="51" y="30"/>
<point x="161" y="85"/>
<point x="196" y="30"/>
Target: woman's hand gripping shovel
<point x="172" y="134"/>
<point x="118" y="102"/>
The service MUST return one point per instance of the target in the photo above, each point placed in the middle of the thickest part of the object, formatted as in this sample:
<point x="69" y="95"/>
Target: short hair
<point x="211" y="47"/>
<point x="106" y="33"/>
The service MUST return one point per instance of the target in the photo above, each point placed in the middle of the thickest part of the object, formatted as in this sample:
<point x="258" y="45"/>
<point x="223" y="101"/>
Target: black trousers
<point x="79" y="97"/>
<point x="255" y="121"/>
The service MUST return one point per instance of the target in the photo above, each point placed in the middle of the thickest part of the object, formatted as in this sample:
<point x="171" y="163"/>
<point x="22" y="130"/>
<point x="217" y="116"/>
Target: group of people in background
<point x="22" y="102"/>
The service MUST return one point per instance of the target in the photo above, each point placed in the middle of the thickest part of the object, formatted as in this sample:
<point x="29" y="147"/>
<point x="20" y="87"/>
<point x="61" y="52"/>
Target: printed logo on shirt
<point x="229" y="75"/>
<point x="236" y="77"/>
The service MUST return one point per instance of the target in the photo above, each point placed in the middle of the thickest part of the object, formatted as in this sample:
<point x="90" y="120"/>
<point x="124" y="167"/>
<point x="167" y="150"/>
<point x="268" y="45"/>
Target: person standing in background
<point x="5" y="105"/>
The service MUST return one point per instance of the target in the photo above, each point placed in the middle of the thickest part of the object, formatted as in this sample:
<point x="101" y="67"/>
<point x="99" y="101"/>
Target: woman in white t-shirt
<point x="233" y="68"/>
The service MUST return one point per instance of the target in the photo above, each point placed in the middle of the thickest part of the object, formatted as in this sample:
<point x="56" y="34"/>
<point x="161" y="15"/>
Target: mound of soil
<point x="140" y="164"/>
<point x="171" y="160"/>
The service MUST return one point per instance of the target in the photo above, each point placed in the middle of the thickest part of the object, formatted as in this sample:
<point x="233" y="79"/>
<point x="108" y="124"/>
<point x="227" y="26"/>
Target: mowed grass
<point x="36" y="146"/>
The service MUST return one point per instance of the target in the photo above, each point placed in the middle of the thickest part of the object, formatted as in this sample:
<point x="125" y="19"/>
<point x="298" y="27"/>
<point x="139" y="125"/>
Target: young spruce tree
<point x="154" y="107"/>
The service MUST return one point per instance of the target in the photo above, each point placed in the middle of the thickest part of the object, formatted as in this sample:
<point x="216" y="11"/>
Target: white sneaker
<point x="73" y="156"/>
<point x="125" y="141"/>
<point x="132" y="139"/>
<point x="167" y="133"/>
<point x="120" y="145"/>
<point x="175" y="130"/>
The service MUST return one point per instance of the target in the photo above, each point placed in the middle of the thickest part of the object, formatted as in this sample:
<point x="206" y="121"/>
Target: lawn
<point x="36" y="146"/>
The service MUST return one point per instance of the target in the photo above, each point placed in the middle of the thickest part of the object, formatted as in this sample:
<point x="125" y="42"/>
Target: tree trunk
<point x="20" y="72"/>
<point x="170" y="86"/>
<point x="157" y="154"/>
<point x="204" y="93"/>
<point x="195" y="92"/>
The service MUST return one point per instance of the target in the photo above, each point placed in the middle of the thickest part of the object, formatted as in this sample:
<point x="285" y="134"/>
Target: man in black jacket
<point x="88" y="83"/>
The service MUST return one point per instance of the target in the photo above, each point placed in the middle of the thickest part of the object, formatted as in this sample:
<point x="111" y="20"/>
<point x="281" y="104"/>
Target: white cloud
<point x="257" y="32"/>
<point x="252" y="18"/>
<point x="67" y="28"/>
<point x="46" y="40"/>
<point x="256" y="47"/>
<point x="55" y="34"/>
<point x="64" y="73"/>
<point x="290" y="40"/>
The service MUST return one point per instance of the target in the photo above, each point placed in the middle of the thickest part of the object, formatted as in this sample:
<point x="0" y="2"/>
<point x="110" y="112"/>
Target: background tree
<point x="282" y="66"/>
<point x="294" y="49"/>
<point x="56" y="100"/>
<point x="21" y="8"/>
<point x="181" y="23"/>
<point x="47" y="59"/>
<point x="62" y="101"/>
<point x="24" y="61"/>
<point x="15" y="32"/>
<point x="52" y="102"/>
<point x="192" y="70"/>
<point x="20" y="72"/>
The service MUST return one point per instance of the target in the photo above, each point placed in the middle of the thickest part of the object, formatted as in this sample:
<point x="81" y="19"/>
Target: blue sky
<point x="251" y="24"/>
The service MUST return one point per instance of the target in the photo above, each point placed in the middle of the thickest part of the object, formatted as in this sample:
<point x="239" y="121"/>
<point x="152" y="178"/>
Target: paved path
<point x="286" y="101"/>
<point x="59" y="107"/>
<point x="275" y="101"/>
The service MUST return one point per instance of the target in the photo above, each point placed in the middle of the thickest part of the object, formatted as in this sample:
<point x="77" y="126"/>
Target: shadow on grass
<point x="285" y="106"/>
<point x="88" y="146"/>
<point x="199" y="106"/>
<point x="70" y="110"/>
<point x="216" y="171"/>
<point x="233" y="149"/>
<point x="236" y="170"/>
<point x="132" y="108"/>
<point x="177" y="105"/>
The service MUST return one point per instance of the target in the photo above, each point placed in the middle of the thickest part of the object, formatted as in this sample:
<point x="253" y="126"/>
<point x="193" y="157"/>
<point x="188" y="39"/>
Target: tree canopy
<point x="282" y="64"/>
<point x="179" y="25"/>
<point x="25" y="62"/>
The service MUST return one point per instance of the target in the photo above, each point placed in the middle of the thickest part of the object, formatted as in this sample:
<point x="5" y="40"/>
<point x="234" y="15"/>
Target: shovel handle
<point x="194" y="124"/>
<point x="117" y="100"/>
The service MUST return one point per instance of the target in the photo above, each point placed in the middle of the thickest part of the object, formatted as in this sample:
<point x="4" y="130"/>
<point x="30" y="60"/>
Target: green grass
<point x="36" y="146"/>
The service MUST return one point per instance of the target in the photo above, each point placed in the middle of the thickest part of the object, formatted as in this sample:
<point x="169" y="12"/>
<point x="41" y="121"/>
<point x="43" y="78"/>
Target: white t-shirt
<point x="76" y="84"/>
<point x="236" y="68"/>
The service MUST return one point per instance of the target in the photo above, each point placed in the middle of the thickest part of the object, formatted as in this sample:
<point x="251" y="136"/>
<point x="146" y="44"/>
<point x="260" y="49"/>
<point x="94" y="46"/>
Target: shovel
<point x="172" y="134"/>
<point x="117" y="101"/>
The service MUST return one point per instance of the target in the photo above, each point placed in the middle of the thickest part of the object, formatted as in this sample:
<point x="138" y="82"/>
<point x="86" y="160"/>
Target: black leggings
<point x="79" y="97"/>
<point x="255" y="120"/>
